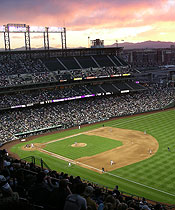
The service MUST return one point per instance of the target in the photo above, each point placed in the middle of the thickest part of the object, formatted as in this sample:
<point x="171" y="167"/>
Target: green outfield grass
<point x="153" y="178"/>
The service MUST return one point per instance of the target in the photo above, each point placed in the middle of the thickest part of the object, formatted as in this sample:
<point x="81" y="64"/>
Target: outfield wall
<point x="171" y="105"/>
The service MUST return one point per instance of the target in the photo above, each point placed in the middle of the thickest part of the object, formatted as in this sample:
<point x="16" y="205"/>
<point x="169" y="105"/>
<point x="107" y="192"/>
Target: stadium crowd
<point x="27" y="186"/>
<point x="18" y="70"/>
<point x="83" y="111"/>
<point x="36" y="96"/>
<point x="51" y="190"/>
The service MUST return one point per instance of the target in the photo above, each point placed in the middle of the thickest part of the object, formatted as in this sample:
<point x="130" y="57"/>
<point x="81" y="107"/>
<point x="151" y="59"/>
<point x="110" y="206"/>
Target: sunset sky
<point x="110" y="20"/>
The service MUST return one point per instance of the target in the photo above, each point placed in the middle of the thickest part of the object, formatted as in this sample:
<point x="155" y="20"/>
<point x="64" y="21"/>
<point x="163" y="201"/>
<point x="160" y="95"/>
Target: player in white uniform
<point x="112" y="162"/>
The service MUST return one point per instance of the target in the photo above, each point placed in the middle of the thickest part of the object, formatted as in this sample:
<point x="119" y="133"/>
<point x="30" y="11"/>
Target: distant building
<point x="97" y="43"/>
<point x="150" y="57"/>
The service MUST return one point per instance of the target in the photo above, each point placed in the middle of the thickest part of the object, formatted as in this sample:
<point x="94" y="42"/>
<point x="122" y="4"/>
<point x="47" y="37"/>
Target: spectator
<point x="109" y="203"/>
<point x="58" y="195"/>
<point x="87" y="195"/>
<point x="41" y="190"/>
<point x="75" y="201"/>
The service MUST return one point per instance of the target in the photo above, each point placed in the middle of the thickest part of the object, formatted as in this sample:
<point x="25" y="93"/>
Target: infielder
<point x="150" y="152"/>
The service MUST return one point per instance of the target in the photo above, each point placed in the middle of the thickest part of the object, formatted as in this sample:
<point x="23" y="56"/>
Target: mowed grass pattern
<point x="157" y="171"/>
<point x="95" y="145"/>
<point x="153" y="178"/>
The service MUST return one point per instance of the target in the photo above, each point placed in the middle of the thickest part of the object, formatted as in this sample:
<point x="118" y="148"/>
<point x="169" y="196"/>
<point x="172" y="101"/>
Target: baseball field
<point x="138" y="147"/>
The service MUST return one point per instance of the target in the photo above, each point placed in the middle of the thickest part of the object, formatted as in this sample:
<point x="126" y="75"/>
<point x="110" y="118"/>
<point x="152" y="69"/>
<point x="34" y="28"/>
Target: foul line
<point x="87" y="166"/>
<point x="140" y="184"/>
<point x="69" y="160"/>
<point x="67" y="137"/>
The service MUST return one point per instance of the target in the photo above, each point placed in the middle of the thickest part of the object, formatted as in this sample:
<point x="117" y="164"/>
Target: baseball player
<point x="112" y="162"/>
<point x="150" y="152"/>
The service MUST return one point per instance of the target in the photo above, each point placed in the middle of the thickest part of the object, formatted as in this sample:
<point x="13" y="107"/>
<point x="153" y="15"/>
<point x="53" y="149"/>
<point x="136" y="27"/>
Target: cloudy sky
<point x="110" y="20"/>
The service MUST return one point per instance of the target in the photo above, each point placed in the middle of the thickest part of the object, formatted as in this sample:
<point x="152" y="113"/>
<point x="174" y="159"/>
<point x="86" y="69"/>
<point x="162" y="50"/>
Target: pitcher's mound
<point x="79" y="145"/>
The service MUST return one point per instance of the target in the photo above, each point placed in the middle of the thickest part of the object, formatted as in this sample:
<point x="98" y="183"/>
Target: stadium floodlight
<point x="26" y="29"/>
<point x="37" y="29"/>
<point x="2" y="28"/>
<point x="55" y="29"/>
<point x="17" y="25"/>
<point x="16" y="29"/>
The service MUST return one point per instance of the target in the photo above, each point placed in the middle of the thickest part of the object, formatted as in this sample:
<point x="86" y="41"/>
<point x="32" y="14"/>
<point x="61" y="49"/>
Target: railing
<point x="103" y="187"/>
<point x="36" y="161"/>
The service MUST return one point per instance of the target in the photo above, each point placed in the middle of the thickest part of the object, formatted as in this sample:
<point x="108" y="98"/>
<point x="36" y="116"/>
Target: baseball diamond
<point x="135" y="145"/>
<point x="85" y="121"/>
<point x="133" y="163"/>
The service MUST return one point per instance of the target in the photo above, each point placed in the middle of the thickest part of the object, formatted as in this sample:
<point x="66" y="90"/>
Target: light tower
<point x="27" y="30"/>
<point x="88" y="41"/>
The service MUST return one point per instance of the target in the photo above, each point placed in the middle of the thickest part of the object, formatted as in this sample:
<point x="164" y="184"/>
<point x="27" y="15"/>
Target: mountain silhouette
<point x="145" y="44"/>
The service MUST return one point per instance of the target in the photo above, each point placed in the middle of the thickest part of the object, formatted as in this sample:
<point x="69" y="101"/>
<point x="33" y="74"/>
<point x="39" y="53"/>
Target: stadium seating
<point x="86" y="62"/>
<point x="109" y="88"/>
<point x="75" y="112"/>
<point x="53" y="64"/>
<point x="103" y="61"/>
<point x="69" y="62"/>
<point x="35" y="111"/>
<point x="19" y="70"/>
<point x="27" y="186"/>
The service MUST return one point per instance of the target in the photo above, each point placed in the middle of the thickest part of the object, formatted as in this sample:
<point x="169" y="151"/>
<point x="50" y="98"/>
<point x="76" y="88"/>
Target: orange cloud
<point x="148" y="18"/>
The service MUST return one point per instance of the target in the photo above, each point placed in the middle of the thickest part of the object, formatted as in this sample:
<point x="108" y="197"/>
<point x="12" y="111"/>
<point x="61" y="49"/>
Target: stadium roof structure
<point x="52" y="53"/>
<point x="26" y="29"/>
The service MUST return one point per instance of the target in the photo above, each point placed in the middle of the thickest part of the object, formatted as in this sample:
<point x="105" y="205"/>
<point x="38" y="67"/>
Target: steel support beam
<point x="63" y="39"/>
<point x="27" y="38"/>
<point x="7" y="38"/>
<point x="46" y="39"/>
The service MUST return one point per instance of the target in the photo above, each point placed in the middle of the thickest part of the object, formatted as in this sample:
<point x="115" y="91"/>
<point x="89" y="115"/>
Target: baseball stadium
<point x="85" y="116"/>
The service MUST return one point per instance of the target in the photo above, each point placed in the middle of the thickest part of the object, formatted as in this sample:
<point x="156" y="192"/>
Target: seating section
<point x="69" y="62"/>
<point x="63" y="75"/>
<point x="122" y="86"/>
<point x="103" y="61"/>
<point x="86" y="62"/>
<point x="53" y="64"/>
<point x="110" y="88"/>
<point x="19" y="70"/>
<point x="115" y="60"/>
<point x="95" y="89"/>
<point x="121" y="61"/>
<point x="42" y="108"/>
<point x="33" y="187"/>
<point x="36" y="96"/>
<point x="135" y="86"/>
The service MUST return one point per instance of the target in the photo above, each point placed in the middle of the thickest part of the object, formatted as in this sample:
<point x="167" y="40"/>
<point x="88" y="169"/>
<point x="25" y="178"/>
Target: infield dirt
<point x="136" y="147"/>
